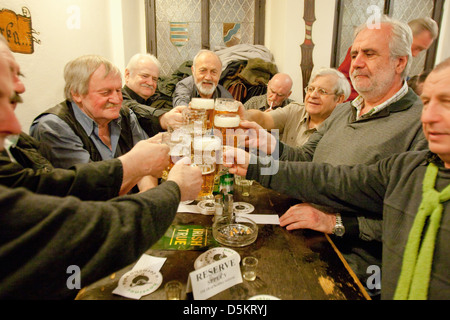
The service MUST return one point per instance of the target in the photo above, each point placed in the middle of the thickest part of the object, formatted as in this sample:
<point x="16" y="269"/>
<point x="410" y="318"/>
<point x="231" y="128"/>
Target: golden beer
<point x="227" y="124"/>
<point x="208" y="106"/>
<point x="205" y="149"/>
<point x="208" y="174"/>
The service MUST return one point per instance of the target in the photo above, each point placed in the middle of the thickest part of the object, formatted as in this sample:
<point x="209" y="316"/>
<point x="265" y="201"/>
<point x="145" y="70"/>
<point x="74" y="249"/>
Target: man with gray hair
<point x="204" y="82"/>
<point x="90" y="125"/>
<point x="154" y="111"/>
<point x="297" y="122"/>
<point x="425" y="31"/>
<point x="383" y="120"/>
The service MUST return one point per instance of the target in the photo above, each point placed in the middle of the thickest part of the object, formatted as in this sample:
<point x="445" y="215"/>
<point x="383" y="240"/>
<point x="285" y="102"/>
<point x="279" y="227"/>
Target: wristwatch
<point x="339" y="228"/>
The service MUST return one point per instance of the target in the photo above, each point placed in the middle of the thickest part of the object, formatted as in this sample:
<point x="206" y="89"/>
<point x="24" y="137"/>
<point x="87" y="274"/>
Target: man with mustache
<point x="204" y="82"/>
<point x="23" y="165"/>
<point x="90" y="125"/>
<point x="383" y="120"/>
<point x="425" y="31"/>
<point x="42" y="236"/>
<point x="410" y="190"/>
<point x="155" y="112"/>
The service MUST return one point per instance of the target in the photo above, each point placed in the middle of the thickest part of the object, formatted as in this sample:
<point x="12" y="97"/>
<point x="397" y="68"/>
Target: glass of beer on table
<point x="227" y="120"/>
<point x="208" y="106"/>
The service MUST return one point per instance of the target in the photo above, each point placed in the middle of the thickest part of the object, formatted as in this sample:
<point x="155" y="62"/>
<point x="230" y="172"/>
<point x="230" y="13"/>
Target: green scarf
<point x="417" y="258"/>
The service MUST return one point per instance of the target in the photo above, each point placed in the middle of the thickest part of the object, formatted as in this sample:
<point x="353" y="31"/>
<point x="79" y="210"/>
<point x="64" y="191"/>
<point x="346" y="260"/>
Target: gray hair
<point x="424" y="24"/>
<point x="78" y="72"/>
<point x="132" y="64"/>
<point x="202" y="52"/>
<point x="342" y="86"/>
<point x="401" y="40"/>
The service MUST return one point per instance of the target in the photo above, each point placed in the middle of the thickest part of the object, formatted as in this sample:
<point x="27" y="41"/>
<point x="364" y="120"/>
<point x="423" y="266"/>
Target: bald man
<point x="278" y="92"/>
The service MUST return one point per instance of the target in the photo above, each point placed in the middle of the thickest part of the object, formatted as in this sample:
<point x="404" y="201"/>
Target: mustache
<point x="16" y="98"/>
<point x="148" y="86"/>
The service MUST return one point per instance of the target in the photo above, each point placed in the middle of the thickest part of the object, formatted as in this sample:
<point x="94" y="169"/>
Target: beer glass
<point x="226" y="120"/>
<point x="208" y="106"/>
<point x="194" y="121"/>
<point x="206" y="152"/>
<point x="180" y="147"/>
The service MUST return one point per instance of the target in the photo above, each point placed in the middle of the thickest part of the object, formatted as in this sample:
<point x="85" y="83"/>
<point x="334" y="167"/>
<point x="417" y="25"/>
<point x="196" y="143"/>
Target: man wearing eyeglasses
<point x="297" y="122"/>
<point x="383" y="120"/>
<point x="277" y="96"/>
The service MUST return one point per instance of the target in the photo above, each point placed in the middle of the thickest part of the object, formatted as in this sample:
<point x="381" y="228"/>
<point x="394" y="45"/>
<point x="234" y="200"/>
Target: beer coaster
<point x="243" y="207"/>
<point x="212" y="255"/>
<point x="263" y="297"/>
<point x="140" y="282"/>
<point x="206" y="208"/>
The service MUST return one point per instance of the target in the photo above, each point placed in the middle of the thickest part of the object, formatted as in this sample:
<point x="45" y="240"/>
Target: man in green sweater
<point x="410" y="191"/>
<point x="41" y="236"/>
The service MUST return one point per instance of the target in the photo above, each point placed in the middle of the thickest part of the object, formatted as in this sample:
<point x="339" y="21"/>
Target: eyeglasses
<point x="322" y="92"/>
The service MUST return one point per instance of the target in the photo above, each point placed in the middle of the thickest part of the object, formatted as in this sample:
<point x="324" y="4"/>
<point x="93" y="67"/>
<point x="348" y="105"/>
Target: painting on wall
<point x="231" y="34"/>
<point x="179" y="33"/>
<point x="18" y="31"/>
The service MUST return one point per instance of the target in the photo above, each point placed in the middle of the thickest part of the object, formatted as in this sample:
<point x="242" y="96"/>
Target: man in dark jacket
<point x="42" y="237"/>
<point x="154" y="110"/>
<point x="23" y="165"/>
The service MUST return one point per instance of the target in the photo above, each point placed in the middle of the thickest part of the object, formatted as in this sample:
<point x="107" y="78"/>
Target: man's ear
<point x="76" y="97"/>
<point x="127" y="74"/>
<point x="340" y="99"/>
<point x="401" y="64"/>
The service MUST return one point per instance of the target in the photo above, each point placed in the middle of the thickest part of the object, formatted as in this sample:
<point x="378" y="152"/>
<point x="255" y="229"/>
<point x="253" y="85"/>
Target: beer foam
<point x="227" y="122"/>
<point x="225" y="104"/>
<point x="200" y="103"/>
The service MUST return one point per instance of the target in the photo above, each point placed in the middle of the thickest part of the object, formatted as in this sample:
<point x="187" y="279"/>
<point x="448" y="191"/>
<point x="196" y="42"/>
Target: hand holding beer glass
<point x="180" y="147"/>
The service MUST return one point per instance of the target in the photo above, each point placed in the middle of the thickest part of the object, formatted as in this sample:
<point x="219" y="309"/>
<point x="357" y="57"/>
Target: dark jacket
<point x="91" y="181"/>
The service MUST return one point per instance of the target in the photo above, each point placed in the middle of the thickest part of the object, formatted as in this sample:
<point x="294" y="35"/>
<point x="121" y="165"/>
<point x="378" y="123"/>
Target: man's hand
<point x="237" y="160"/>
<point x="172" y="119"/>
<point x="305" y="216"/>
<point x="259" y="137"/>
<point x="146" y="158"/>
<point x="188" y="179"/>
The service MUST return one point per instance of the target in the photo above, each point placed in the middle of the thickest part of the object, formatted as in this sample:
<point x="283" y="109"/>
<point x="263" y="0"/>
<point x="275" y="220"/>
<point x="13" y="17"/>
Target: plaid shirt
<point x="358" y="103"/>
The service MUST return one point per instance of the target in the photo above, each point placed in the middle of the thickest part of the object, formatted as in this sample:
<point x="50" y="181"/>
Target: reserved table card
<point x="215" y="277"/>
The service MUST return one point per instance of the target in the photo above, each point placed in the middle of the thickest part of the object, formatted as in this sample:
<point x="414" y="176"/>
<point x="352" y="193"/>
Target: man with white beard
<point x="204" y="82"/>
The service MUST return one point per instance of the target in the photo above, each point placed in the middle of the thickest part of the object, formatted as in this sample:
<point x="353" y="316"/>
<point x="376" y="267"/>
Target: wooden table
<point x="293" y="265"/>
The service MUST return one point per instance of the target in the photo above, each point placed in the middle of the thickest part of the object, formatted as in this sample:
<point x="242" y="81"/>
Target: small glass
<point x="249" y="266"/>
<point x="173" y="290"/>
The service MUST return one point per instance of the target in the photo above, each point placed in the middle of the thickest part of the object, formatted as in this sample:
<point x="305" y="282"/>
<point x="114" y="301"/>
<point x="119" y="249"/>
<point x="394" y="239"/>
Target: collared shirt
<point x="293" y="123"/>
<point x="67" y="148"/>
<point x="358" y="103"/>
<point x="10" y="142"/>
<point x="91" y="128"/>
